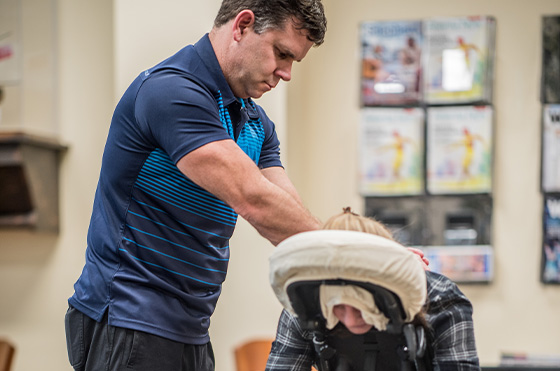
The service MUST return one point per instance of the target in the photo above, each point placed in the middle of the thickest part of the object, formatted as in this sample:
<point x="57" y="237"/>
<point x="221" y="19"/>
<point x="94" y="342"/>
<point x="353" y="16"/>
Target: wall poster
<point x="551" y="239"/>
<point x="391" y="62"/>
<point x="10" y="48"/>
<point x="551" y="148"/>
<point x="459" y="149"/>
<point x="391" y="151"/>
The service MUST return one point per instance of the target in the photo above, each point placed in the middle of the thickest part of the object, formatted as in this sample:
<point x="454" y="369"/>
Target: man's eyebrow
<point x="284" y="50"/>
<point x="290" y="54"/>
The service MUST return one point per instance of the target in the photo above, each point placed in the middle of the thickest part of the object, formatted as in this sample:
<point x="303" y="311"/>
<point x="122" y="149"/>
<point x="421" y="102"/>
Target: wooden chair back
<point x="7" y="351"/>
<point x="252" y="355"/>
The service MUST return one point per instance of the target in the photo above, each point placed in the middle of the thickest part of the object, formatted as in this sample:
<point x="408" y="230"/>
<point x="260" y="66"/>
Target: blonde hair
<point x="350" y="221"/>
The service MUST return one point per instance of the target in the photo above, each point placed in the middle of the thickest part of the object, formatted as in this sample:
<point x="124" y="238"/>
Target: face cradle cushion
<point x="348" y="256"/>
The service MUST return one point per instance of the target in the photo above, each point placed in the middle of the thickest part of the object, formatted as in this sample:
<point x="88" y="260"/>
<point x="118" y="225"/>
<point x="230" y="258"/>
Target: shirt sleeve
<point x="179" y="114"/>
<point x="291" y="351"/>
<point x="450" y="316"/>
<point x="270" y="152"/>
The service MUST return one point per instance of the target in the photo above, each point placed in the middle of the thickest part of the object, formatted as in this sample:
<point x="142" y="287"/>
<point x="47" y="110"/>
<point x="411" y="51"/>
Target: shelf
<point x="29" y="167"/>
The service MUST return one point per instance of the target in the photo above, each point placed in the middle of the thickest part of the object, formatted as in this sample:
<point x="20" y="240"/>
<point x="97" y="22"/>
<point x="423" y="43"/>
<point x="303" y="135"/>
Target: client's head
<point x="350" y="221"/>
<point x="350" y="315"/>
<point x="350" y="248"/>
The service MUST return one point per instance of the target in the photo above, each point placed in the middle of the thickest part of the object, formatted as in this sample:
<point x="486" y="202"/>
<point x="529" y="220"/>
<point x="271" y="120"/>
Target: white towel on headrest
<point x="357" y="297"/>
<point x="350" y="255"/>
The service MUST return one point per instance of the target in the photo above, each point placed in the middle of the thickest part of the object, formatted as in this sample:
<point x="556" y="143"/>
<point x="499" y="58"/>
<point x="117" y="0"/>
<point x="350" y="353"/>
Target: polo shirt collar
<point x="208" y="57"/>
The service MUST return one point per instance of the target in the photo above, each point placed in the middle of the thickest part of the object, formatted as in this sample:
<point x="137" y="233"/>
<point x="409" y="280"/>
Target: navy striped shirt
<point x="158" y="244"/>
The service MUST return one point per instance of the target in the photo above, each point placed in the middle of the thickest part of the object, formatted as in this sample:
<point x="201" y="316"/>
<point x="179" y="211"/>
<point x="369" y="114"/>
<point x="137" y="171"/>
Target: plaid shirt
<point x="449" y="315"/>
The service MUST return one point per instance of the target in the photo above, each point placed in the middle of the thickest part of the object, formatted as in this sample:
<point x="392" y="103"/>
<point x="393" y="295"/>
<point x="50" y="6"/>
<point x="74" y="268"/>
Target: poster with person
<point x="391" y="151"/>
<point x="391" y="62"/>
<point x="459" y="149"/>
<point x="459" y="59"/>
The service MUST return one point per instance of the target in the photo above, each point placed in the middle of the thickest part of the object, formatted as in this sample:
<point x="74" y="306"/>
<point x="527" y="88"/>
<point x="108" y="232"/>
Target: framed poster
<point x="458" y="59"/>
<point x="391" y="151"/>
<point x="463" y="264"/>
<point x="10" y="48"/>
<point x="459" y="149"/>
<point x="550" y="71"/>
<point x="551" y="148"/>
<point x="391" y="62"/>
<point x="551" y="239"/>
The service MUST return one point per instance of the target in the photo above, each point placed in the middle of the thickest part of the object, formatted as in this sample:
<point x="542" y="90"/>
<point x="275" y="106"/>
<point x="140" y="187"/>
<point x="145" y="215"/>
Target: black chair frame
<point x="407" y="341"/>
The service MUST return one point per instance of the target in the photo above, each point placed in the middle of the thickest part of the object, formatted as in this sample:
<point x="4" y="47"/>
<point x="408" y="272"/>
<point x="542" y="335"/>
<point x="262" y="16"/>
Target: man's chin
<point x="257" y="94"/>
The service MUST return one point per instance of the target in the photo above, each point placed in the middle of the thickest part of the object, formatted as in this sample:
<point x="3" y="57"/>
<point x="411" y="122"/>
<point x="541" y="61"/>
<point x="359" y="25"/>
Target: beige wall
<point x="29" y="103"/>
<point x="103" y="45"/>
<point x="37" y="270"/>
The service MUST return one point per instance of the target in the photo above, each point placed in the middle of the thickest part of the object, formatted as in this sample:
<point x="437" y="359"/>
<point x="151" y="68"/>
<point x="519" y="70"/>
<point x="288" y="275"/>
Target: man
<point x="187" y="151"/>
<point x="430" y="300"/>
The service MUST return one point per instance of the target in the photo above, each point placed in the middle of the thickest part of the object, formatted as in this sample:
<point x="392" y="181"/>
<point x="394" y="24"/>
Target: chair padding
<point x="349" y="255"/>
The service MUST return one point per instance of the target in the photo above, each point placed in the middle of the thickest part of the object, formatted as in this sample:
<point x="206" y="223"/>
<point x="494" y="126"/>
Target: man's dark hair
<point x="309" y="15"/>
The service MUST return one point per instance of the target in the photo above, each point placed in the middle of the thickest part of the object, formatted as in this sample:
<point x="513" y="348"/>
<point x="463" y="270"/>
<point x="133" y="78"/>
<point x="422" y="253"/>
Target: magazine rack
<point x="434" y="189"/>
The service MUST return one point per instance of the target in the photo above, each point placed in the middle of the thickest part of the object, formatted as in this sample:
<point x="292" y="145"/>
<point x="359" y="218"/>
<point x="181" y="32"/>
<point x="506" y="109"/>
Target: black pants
<point x="97" y="346"/>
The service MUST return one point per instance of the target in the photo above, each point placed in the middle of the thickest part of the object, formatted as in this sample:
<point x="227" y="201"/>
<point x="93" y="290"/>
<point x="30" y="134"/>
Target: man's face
<point x="351" y="318"/>
<point x="261" y="61"/>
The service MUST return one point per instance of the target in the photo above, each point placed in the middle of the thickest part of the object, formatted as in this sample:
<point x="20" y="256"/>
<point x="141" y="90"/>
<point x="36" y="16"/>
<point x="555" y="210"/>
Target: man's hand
<point x="420" y="253"/>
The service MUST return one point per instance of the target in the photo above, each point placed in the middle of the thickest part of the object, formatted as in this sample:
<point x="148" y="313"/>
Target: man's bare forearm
<point x="276" y="214"/>
<point x="266" y="199"/>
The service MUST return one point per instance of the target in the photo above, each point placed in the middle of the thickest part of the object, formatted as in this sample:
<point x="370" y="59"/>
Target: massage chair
<point x="303" y="263"/>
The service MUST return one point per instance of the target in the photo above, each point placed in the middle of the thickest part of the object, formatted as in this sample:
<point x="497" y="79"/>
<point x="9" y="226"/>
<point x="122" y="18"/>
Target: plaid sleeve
<point x="450" y="316"/>
<point x="292" y="350"/>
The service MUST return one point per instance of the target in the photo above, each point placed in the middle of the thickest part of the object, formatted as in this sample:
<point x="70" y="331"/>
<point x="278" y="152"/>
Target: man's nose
<point x="284" y="72"/>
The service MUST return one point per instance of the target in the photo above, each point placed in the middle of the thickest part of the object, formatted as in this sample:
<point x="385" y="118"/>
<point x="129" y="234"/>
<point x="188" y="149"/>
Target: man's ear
<point x="244" y="20"/>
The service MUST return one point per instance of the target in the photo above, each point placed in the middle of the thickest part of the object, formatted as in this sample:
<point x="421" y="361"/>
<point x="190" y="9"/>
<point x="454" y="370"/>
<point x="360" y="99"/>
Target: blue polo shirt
<point x="158" y="244"/>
